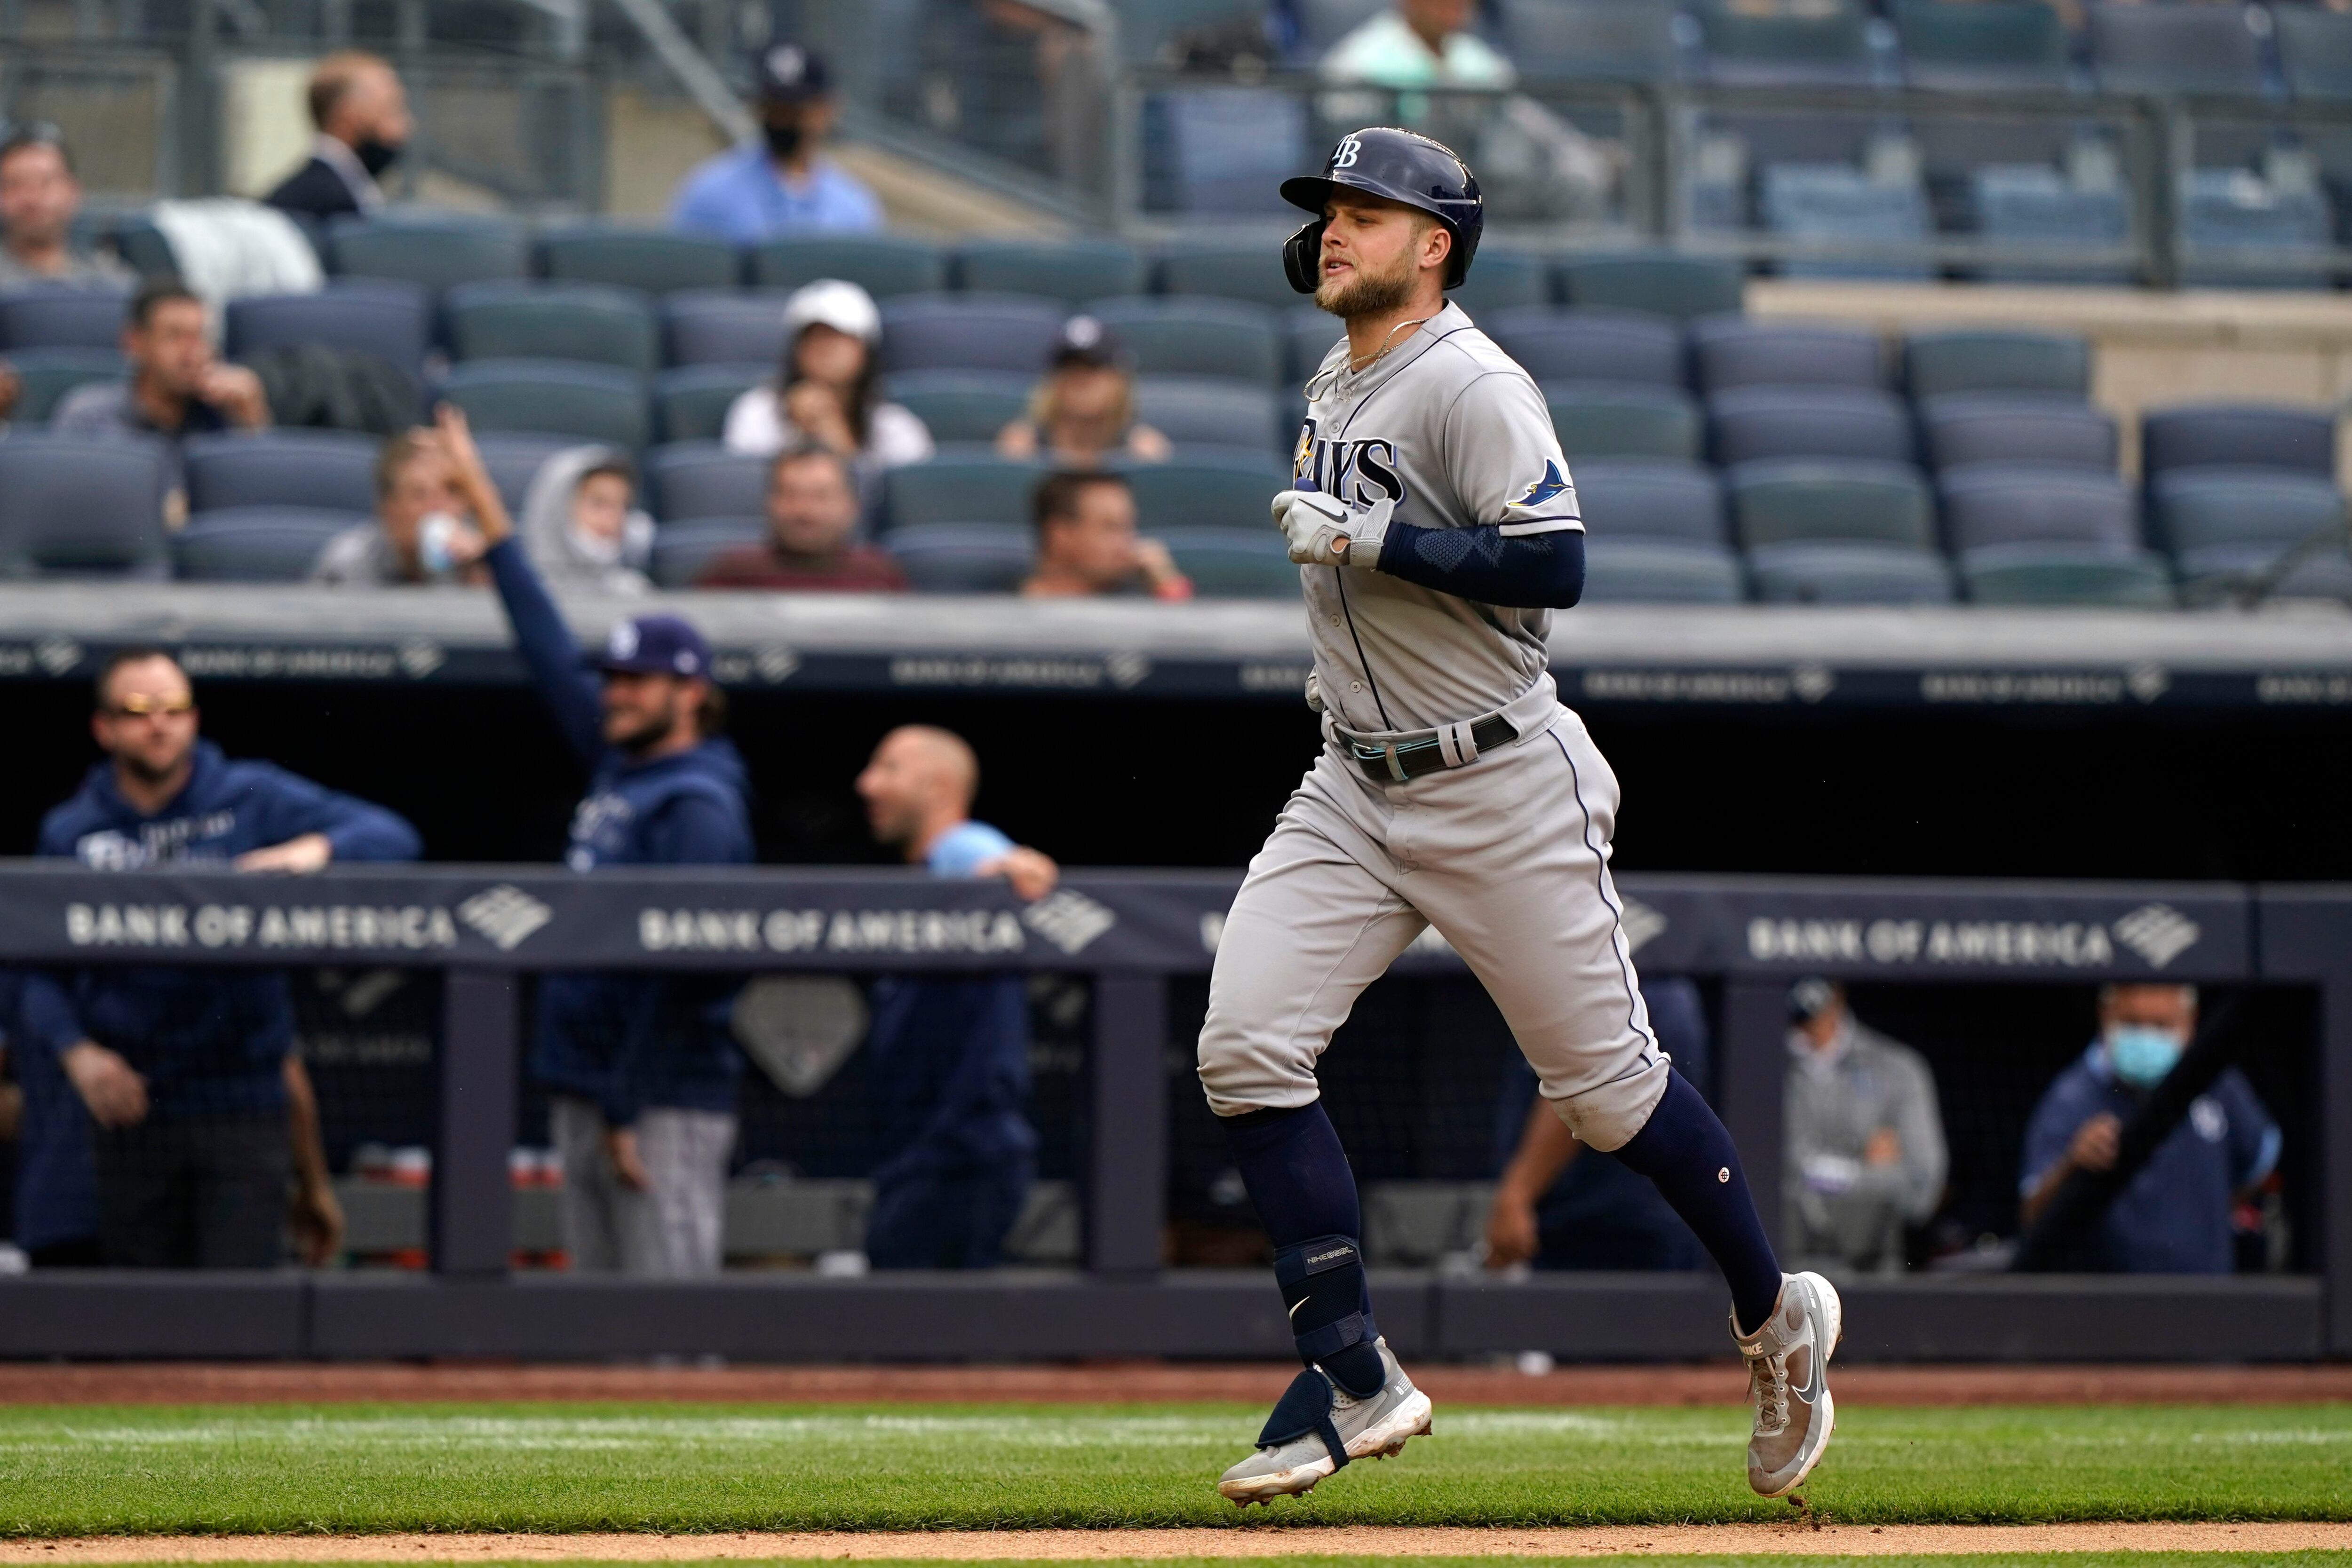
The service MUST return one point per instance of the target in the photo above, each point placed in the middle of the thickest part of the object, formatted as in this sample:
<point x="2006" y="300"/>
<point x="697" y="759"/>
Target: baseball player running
<point x="1434" y="519"/>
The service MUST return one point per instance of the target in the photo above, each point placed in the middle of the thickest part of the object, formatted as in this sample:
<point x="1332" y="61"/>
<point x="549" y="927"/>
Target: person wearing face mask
<point x="2173" y="1216"/>
<point x="778" y="186"/>
<point x="361" y="111"/>
<point x="422" y="536"/>
<point x="579" y="525"/>
<point x="1865" y="1138"/>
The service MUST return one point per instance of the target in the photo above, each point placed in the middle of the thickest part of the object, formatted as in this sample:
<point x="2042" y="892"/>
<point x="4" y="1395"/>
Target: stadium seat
<point x="1323" y="23"/>
<point x="1802" y="498"/>
<point x="2261" y="435"/>
<point x="1308" y="334"/>
<point x="1839" y="207"/>
<point x="1650" y="499"/>
<point x="690" y="403"/>
<point x="1987" y="360"/>
<point x="1233" y="563"/>
<point x="1506" y="279"/>
<point x="1223" y="151"/>
<point x="968" y="332"/>
<point x="2220" y="572"/>
<point x="2174" y="49"/>
<point x="1190" y="410"/>
<point x="1808" y="572"/>
<point x="1590" y="345"/>
<point x="681" y="549"/>
<point x="2033" y="205"/>
<point x="1616" y="40"/>
<point x="51" y="318"/>
<point x="2019" y="427"/>
<point x="884" y="265"/>
<point x="958" y="406"/>
<point x="713" y="327"/>
<point x="256" y="544"/>
<point x="1070" y="271"/>
<point x="1203" y="487"/>
<point x="1147" y="27"/>
<point x="655" y="261"/>
<point x="514" y="460"/>
<point x="2036" y="503"/>
<point x="1193" y="336"/>
<point x="2071" y="575"/>
<point x="552" y="397"/>
<point x="2224" y="210"/>
<point x="1826" y="44"/>
<point x="439" y="253"/>
<point x="2314" y="50"/>
<point x="963" y="558"/>
<point x="962" y="485"/>
<point x="70" y="507"/>
<point x="1732" y="351"/>
<point x="391" y="321"/>
<point x="590" y="322"/>
<point x="1959" y="45"/>
<point x="44" y="376"/>
<point x="1251" y="272"/>
<point x="703" y="479"/>
<point x="1751" y="423"/>
<point x="2192" y="509"/>
<point x="329" y="470"/>
<point x="1660" y="282"/>
<point x="1661" y="571"/>
<point x="1618" y="419"/>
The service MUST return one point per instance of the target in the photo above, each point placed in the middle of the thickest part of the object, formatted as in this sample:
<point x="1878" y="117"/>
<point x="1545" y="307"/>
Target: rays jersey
<point x="1444" y="432"/>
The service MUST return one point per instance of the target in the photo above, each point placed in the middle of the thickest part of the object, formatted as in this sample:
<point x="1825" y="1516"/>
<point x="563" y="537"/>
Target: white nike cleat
<point x="1788" y="1381"/>
<point x="1295" y="1448"/>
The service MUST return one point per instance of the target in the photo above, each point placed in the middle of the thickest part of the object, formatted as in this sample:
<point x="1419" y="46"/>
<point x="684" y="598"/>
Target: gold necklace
<point x="1354" y="368"/>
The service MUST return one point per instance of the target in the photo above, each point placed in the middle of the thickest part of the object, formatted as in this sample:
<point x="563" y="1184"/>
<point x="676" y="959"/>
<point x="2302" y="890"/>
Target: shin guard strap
<point x="1305" y="1406"/>
<point x="1322" y="1282"/>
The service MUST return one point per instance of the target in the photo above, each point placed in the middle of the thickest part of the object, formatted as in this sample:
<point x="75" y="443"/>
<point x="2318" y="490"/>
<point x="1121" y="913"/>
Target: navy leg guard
<point x="1305" y="1406"/>
<point x="1322" y="1282"/>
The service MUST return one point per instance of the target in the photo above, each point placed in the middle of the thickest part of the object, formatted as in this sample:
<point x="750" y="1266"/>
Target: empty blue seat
<point x="256" y="544"/>
<point x="1323" y="23"/>
<point x="2265" y="572"/>
<point x="1506" y="279"/>
<point x="962" y="485"/>
<point x="544" y="397"/>
<point x="1222" y="151"/>
<point x="1176" y="336"/>
<point x="1204" y="488"/>
<point x="70" y="507"/>
<point x="958" y="406"/>
<point x="1590" y="345"/>
<point x="690" y="403"/>
<point x="703" y="479"/>
<point x="1621" y="419"/>
<point x="2235" y="226"/>
<point x="2033" y="205"/>
<point x="683" y="548"/>
<point x="656" y="260"/>
<point x="44" y="376"/>
<point x="514" y="459"/>
<point x="724" y="328"/>
<point x="2194" y="509"/>
<point x="47" y="317"/>
<point x="390" y="320"/>
<point x="968" y="332"/>
<point x="2017" y="427"/>
<point x="884" y="265"/>
<point x="439" y="252"/>
<point x="1661" y="571"/>
<point x="963" y="558"/>
<point x="1650" y="499"/>
<point x="1205" y="408"/>
<point x="1071" y="271"/>
<point x="1233" y="563"/>
<point x="1802" y="498"/>
<point x="1808" y="573"/>
<point x="2036" y="503"/>
<point x="1826" y="43"/>
<point x="1251" y="272"/>
<point x="1840" y="209"/>
<point x="1308" y="334"/>
<point x="590" y="322"/>
<point x="1663" y="283"/>
<point x="2262" y="435"/>
<point x="1959" y="45"/>
<point x="1733" y="351"/>
<point x="1616" y="40"/>
<point x="330" y="470"/>
<point x="2071" y="575"/>
<point x="2176" y="48"/>
<point x="2314" y="50"/>
<point x="1751" y="422"/>
<point x="1982" y="358"/>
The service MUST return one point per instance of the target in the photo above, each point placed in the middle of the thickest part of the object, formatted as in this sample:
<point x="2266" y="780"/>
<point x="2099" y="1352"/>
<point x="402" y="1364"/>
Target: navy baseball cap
<point x="1084" y="341"/>
<point x="790" y="74"/>
<point x="653" y="645"/>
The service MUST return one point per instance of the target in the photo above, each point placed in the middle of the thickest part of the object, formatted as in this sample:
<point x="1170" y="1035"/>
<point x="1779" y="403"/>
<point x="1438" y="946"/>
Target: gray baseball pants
<point x="672" y="1230"/>
<point x="1508" y="858"/>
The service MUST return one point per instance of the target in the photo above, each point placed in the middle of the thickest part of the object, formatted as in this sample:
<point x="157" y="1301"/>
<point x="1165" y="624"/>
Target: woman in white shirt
<point x="827" y="389"/>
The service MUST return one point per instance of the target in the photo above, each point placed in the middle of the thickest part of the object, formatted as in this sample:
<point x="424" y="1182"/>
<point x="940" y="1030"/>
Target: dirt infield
<point x="1266" y="1540"/>
<point x="1153" y="1382"/>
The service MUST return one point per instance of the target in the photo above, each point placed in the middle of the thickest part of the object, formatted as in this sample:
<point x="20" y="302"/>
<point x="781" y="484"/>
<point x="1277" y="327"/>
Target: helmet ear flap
<point x="1302" y="255"/>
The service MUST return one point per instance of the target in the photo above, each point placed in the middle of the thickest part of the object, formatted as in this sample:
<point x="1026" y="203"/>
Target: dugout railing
<point x="487" y="928"/>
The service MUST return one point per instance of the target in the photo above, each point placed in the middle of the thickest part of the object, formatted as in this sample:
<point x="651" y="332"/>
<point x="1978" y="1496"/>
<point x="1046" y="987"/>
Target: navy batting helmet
<point x="1403" y="166"/>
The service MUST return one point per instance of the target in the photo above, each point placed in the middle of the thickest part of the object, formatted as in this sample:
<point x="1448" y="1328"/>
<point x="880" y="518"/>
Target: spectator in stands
<point x="811" y="529"/>
<point x="1419" y="44"/>
<point x="641" y="1069"/>
<point x="580" y="527"/>
<point x="949" y="1058"/>
<point x="1087" y="543"/>
<point x="425" y="534"/>
<point x="827" y="392"/>
<point x="176" y="387"/>
<point x="39" y="199"/>
<point x="360" y="113"/>
<point x="189" y="1074"/>
<point x="778" y="186"/>
<point x="2173" y="1216"/>
<point x="1865" y="1138"/>
<point x="1083" y="413"/>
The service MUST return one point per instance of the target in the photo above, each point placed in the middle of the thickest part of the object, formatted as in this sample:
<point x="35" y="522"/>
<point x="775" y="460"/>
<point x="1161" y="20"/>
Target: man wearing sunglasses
<point x="189" y="1074"/>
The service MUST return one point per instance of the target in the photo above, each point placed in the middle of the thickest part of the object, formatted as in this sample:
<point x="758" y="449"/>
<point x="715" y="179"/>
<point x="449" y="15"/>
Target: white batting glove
<point x="1322" y="531"/>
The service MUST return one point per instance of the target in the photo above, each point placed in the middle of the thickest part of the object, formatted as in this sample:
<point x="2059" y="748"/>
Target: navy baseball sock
<point x="1298" y="1177"/>
<point x="1686" y="1152"/>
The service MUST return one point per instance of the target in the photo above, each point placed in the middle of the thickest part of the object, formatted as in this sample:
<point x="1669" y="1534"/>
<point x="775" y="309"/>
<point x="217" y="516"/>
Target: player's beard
<point x="1367" y="293"/>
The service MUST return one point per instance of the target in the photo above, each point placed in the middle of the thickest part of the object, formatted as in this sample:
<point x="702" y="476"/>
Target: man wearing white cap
<point x="826" y="392"/>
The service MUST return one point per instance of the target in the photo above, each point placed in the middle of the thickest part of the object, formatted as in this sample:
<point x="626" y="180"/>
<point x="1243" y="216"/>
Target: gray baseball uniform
<point x="1508" y="854"/>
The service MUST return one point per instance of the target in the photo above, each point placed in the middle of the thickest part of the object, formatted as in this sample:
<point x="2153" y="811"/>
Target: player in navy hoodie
<point x="186" y="1072"/>
<point x="642" y="1068"/>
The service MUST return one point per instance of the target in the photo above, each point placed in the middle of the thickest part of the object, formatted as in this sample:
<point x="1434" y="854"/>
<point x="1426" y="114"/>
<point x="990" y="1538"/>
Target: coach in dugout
<point x="642" y="1069"/>
<point x="202" y="1110"/>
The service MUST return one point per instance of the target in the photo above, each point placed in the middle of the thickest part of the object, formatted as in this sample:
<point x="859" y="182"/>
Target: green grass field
<point x="355" y="1468"/>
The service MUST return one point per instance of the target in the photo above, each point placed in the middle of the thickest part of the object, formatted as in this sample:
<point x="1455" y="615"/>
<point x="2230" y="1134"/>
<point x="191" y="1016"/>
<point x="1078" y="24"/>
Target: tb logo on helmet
<point x="1344" y="155"/>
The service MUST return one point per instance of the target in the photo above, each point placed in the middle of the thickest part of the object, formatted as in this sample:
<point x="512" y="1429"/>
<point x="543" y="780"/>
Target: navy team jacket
<point x="626" y="1042"/>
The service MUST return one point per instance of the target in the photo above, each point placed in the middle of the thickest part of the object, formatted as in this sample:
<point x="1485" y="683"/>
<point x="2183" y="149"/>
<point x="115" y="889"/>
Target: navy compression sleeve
<point x="1523" y="571"/>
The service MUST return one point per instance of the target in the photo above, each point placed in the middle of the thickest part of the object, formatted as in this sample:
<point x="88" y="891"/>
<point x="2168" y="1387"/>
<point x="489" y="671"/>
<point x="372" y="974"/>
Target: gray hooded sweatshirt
<point x="566" y="561"/>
